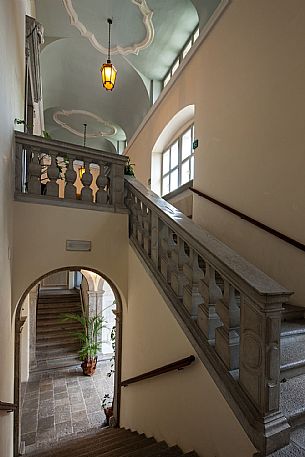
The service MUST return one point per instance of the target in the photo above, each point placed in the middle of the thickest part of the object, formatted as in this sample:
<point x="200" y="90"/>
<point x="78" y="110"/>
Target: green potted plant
<point x="89" y="339"/>
<point x="128" y="170"/>
<point x="107" y="402"/>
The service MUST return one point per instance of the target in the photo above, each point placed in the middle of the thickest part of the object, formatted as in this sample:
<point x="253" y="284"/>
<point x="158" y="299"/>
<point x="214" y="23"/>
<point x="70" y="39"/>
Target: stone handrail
<point x="64" y="173"/>
<point x="230" y="309"/>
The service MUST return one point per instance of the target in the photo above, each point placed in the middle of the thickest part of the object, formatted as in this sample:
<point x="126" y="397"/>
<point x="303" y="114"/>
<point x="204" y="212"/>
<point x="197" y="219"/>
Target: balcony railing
<point x="61" y="173"/>
<point x="230" y="310"/>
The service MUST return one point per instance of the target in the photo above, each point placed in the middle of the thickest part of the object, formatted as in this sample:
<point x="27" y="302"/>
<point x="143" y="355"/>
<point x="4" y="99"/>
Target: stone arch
<point x="118" y="347"/>
<point x="176" y="123"/>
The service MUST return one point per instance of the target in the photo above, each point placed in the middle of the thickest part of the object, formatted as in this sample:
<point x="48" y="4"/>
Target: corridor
<point x="59" y="403"/>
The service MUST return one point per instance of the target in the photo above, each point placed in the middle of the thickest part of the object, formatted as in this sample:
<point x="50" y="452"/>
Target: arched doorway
<point x="20" y="321"/>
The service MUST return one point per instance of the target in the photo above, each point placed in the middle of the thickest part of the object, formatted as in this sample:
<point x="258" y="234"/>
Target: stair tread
<point x="292" y="398"/>
<point x="293" y="349"/>
<point x="292" y="327"/>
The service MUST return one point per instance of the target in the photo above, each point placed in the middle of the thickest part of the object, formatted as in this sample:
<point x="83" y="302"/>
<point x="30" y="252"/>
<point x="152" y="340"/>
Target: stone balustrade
<point x="67" y="174"/>
<point x="230" y="310"/>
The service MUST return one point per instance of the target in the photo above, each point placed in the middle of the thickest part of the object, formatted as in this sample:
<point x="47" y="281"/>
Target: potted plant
<point x="107" y="402"/>
<point x="128" y="170"/>
<point x="89" y="338"/>
<point x="107" y="406"/>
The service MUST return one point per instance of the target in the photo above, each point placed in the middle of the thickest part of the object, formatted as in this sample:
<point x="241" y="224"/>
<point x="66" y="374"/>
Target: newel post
<point x="117" y="185"/>
<point x="259" y="373"/>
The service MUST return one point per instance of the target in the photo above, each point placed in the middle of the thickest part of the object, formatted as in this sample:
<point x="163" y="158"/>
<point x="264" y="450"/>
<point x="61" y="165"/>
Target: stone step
<point x="51" y="316"/>
<point x="57" y="355"/>
<point x="292" y="400"/>
<point x="59" y="309"/>
<point x="56" y="322"/>
<point x="59" y="340"/>
<point x="110" y="443"/>
<point x="293" y="327"/>
<point x="100" y="444"/>
<point x="292" y="354"/>
<point x="292" y="312"/>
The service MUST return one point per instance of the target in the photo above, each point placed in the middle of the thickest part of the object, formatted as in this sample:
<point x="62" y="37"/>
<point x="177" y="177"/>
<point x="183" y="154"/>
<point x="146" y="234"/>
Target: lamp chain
<point x="109" y="22"/>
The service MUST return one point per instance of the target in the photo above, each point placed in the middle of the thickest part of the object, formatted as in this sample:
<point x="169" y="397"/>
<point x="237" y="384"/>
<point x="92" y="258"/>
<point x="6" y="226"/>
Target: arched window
<point x="172" y="161"/>
<point x="177" y="166"/>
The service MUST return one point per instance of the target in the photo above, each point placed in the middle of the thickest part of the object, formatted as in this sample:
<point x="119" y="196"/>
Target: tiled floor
<point x="63" y="402"/>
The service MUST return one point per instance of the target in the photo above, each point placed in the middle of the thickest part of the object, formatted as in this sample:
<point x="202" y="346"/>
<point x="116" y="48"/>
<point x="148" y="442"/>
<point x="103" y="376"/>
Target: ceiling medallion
<point x="111" y="129"/>
<point x="133" y="49"/>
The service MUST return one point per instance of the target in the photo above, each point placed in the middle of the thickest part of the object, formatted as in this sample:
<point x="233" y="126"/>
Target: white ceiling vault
<point x="146" y="37"/>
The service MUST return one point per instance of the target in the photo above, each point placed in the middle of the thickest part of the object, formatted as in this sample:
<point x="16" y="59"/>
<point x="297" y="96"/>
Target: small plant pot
<point x="89" y="366"/>
<point x="108" y="413"/>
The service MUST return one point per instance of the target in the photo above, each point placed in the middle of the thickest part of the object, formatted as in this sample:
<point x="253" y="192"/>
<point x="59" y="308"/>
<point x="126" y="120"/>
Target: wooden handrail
<point x="178" y="365"/>
<point x="8" y="407"/>
<point x="258" y="224"/>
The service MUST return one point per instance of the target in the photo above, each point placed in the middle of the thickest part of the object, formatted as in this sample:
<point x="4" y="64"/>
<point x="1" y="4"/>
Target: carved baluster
<point x="34" y="185"/>
<point x="146" y="229"/>
<point x="178" y="260"/>
<point x="86" y="192"/>
<point x="155" y="239"/>
<point x="70" y="178"/>
<point x="208" y="320"/>
<point x="167" y="246"/>
<point x="134" y="219"/>
<point x="140" y="229"/>
<point x="101" y="182"/>
<point x="191" y="295"/>
<point x="227" y="335"/>
<point x="53" y="175"/>
<point x="117" y="185"/>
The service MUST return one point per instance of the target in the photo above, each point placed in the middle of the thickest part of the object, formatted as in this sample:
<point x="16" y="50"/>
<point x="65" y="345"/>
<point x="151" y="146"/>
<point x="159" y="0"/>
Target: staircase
<point x="56" y="347"/>
<point x="112" y="442"/>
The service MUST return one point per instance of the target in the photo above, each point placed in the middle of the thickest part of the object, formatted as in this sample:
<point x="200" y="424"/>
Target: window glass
<point x="166" y="162"/>
<point x="174" y="155"/>
<point x="187" y="48"/>
<point x="187" y="144"/>
<point x="167" y="79"/>
<point x="185" y="172"/>
<point x="175" y="66"/>
<point x="174" y="180"/>
<point x="165" y="185"/>
<point x="192" y="168"/>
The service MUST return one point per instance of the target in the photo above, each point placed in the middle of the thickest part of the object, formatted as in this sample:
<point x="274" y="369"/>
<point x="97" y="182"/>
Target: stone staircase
<point x="56" y="347"/>
<point x="292" y="375"/>
<point x="111" y="442"/>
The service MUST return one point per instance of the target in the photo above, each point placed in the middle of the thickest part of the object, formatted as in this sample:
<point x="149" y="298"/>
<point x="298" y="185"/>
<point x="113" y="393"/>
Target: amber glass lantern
<point x="108" y="71"/>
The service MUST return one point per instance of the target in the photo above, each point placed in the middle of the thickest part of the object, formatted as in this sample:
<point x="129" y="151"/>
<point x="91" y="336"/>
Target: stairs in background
<point x="56" y="347"/>
<point x="111" y="442"/>
<point x="292" y="400"/>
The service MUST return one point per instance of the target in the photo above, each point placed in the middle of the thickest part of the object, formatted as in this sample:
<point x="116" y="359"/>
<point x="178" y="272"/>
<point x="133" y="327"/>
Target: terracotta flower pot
<point x="89" y="366"/>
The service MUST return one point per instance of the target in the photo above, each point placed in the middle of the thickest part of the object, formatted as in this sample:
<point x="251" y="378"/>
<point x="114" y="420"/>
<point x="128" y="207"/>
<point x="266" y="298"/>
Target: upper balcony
<point x="57" y="173"/>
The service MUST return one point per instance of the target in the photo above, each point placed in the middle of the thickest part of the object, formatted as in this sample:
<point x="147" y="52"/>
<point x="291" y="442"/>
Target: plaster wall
<point x="246" y="81"/>
<point x="40" y="234"/>
<point x="183" y="407"/>
<point x="12" y="38"/>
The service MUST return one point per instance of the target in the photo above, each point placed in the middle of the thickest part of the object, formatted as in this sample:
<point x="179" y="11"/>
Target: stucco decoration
<point x="109" y="129"/>
<point x="135" y="48"/>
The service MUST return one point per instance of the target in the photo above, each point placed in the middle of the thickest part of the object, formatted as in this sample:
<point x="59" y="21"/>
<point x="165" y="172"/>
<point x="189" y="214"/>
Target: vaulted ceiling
<point x="146" y="37"/>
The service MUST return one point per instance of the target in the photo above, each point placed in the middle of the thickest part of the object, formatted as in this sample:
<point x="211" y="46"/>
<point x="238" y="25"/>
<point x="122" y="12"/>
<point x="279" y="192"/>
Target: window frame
<point x="189" y="158"/>
<point x="180" y="57"/>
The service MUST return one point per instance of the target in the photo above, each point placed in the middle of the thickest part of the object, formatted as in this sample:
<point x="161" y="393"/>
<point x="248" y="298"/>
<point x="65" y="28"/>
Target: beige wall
<point x="185" y="407"/>
<point x="249" y="118"/>
<point x="12" y="26"/>
<point x="40" y="234"/>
